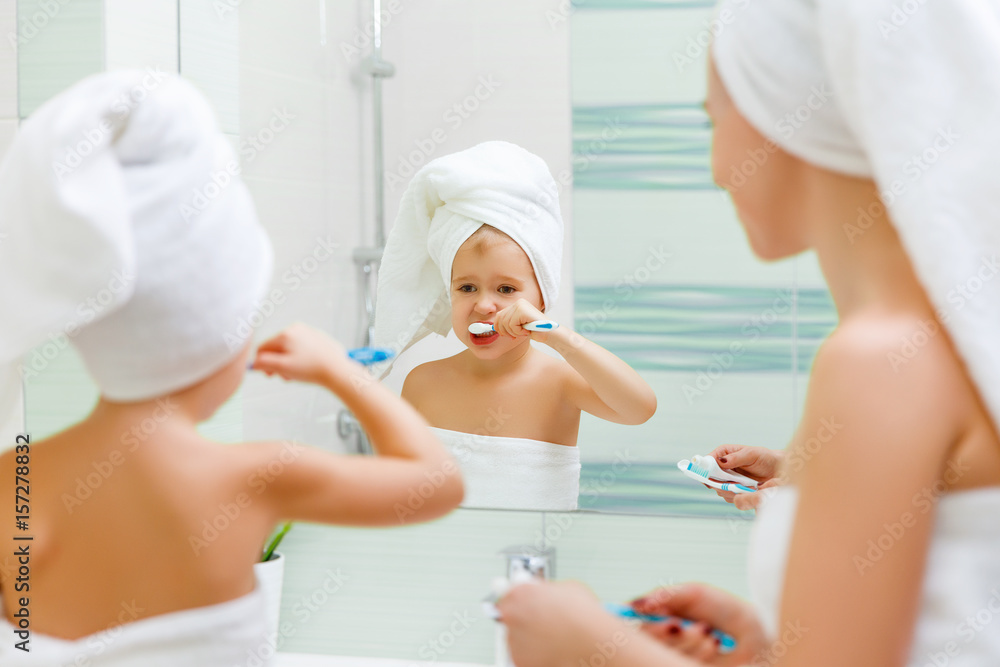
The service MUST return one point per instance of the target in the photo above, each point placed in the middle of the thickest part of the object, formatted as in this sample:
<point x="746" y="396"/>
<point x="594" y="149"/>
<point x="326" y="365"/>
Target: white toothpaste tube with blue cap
<point x="706" y="470"/>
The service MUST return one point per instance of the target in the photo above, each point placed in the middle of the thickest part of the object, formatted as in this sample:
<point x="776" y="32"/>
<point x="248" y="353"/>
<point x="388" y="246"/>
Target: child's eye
<point x="506" y="289"/>
<point x="466" y="288"/>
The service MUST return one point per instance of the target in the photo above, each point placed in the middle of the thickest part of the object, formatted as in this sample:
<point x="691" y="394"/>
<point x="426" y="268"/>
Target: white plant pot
<point x="271" y="574"/>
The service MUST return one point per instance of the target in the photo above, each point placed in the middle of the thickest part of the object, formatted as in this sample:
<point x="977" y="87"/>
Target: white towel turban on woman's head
<point x="127" y="231"/>
<point x="494" y="183"/>
<point x="905" y="93"/>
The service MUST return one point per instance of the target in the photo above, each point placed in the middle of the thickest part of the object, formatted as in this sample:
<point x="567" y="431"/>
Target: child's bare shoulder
<point x="427" y="376"/>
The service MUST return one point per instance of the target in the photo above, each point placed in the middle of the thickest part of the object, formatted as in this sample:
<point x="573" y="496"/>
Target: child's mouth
<point x="483" y="339"/>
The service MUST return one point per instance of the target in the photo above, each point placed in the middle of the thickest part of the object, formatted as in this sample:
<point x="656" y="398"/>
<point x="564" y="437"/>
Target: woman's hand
<point x="563" y="624"/>
<point x="757" y="463"/>
<point x="710" y="608"/>
<point x="510" y="320"/>
<point x="301" y="353"/>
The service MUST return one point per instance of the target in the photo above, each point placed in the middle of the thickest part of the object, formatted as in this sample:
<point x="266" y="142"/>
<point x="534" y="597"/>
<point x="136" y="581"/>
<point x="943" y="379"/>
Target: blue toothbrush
<point x="726" y="643"/>
<point x="363" y="355"/>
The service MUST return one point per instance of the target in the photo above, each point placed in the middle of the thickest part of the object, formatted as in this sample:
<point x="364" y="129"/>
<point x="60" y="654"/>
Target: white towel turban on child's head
<point x="906" y="94"/>
<point x="494" y="183"/>
<point x="125" y="229"/>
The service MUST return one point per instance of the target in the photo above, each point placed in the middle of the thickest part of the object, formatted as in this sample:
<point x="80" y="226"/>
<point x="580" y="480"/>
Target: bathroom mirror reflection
<point x="654" y="268"/>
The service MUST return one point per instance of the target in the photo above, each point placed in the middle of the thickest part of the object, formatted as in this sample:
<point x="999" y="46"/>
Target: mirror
<point x="656" y="268"/>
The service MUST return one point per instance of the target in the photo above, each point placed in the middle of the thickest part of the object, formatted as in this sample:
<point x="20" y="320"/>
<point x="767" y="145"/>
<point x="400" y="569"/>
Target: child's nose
<point x="486" y="304"/>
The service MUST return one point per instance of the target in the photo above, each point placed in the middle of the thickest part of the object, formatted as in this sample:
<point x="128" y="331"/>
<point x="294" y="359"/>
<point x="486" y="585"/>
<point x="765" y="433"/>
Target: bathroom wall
<point x="725" y="340"/>
<point x="11" y="415"/>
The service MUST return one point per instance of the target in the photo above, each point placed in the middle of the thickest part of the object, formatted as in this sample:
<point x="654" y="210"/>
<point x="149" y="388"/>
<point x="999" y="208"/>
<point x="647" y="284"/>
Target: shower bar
<point x="367" y="259"/>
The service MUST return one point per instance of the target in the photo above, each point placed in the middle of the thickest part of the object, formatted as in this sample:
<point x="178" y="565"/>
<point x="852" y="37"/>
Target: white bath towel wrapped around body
<point x="515" y="473"/>
<point x="229" y="633"/>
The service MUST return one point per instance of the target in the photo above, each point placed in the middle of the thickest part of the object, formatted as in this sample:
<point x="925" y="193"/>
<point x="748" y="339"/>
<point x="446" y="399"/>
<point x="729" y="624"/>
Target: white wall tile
<point x="59" y="44"/>
<point x="8" y="59"/>
<point x="8" y="128"/>
<point x="141" y="34"/>
<point x="209" y="56"/>
<point x="11" y="409"/>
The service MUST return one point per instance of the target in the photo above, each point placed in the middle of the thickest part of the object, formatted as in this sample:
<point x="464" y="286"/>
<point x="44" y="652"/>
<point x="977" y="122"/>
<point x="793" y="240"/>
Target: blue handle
<point x="371" y="355"/>
<point x="726" y="643"/>
<point x="363" y="355"/>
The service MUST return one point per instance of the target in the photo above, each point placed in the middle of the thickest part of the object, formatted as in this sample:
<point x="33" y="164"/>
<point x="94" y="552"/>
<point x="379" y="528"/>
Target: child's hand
<point x="301" y="353"/>
<point x="509" y="321"/>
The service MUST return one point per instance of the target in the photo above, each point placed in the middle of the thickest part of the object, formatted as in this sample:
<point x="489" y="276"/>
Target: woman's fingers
<point x="739" y="458"/>
<point x="694" y="639"/>
<point x="748" y="501"/>
<point x="728" y="496"/>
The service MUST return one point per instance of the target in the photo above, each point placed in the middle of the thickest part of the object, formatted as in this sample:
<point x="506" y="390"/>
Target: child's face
<point x="485" y="280"/>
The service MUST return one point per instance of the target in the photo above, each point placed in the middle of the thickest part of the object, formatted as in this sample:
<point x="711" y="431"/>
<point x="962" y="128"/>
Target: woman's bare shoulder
<point x="896" y="378"/>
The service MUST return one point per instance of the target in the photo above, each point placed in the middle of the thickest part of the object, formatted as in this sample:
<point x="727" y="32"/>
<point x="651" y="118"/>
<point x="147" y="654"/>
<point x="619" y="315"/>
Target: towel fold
<point x="515" y="473"/>
<point x="127" y="231"/>
<point x="906" y="94"/>
<point x="494" y="183"/>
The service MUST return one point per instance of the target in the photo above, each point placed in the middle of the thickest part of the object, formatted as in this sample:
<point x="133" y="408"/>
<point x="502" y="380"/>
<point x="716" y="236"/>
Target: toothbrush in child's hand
<point x="371" y="355"/>
<point x="363" y="355"/>
<point x="726" y="643"/>
<point x="479" y="328"/>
